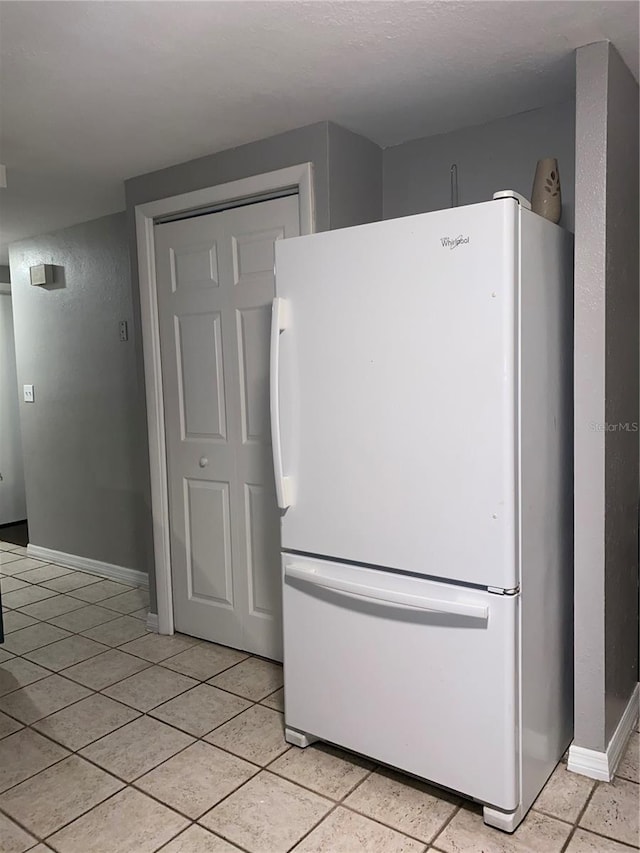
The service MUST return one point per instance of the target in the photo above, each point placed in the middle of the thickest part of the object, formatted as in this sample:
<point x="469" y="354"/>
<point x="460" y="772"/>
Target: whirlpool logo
<point x="453" y="242"/>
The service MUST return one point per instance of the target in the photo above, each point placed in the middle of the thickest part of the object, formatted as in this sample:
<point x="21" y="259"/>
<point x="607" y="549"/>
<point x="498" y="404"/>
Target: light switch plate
<point x="28" y="393"/>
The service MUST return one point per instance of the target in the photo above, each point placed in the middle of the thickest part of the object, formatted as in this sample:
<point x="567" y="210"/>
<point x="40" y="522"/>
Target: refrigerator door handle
<point x="279" y="322"/>
<point x="388" y="596"/>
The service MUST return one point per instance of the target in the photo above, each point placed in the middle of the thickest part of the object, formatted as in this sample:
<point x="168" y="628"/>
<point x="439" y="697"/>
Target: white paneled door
<point x="215" y="280"/>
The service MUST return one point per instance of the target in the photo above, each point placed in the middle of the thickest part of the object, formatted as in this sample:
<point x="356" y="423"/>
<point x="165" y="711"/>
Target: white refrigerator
<point x="421" y="414"/>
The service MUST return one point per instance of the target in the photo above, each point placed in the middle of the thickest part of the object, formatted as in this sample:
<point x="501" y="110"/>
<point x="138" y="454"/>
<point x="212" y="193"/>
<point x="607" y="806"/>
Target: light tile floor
<point x="114" y="740"/>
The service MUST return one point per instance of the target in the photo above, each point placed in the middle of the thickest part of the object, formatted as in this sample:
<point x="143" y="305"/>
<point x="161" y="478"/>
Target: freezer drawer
<point x="416" y="674"/>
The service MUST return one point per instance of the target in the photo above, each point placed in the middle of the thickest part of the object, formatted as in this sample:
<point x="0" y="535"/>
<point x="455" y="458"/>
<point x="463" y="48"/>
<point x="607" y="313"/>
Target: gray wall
<point x="606" y="392"/>
<point x="5" y="274"/>
<point x="499" y="155"/>
<point x="347" y="191"/>
<point x="355" y="179"/>
<point x="83" y="435"/>
<point x="277" y="152"/>
<point x="13" y="505"/>
<point x="621" y="454"/>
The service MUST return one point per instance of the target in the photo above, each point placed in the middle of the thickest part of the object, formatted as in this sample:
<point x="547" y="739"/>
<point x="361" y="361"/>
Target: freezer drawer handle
<point x="401" y="599"/>
<point x="279" y="320"/>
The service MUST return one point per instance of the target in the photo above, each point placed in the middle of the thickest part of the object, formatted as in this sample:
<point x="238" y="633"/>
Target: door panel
<point x="253" y="254"/>
<point x="398" y="394"/>
<point x="261" y="538"/>
<point x="416" y="674"/>
<point x="215" y="285"/>
<point x="253" y="343"/>
<point x="199" y="351"/>
<point x="194" y="266"/>
<point x="208" y="526"/>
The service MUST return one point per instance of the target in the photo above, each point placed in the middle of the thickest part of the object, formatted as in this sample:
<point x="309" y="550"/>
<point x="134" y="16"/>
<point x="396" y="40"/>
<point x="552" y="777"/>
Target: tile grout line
<point x="218" y="834"/>
<point x="335" y="803"/>
<point x="33" y="775"/>
<point x="114" y="775"/>
<point x="47" y="621"/>
<point x="42" y="839"/>
<point x="132" y="784"/>
<point x="169" y="840"/>
<point x="57" y="671"/>
<point x="82" y="604"/>
<point x="140" y="715"/>
<point x="117" y="728"/>
<point x="595" y="832"/>
<point x="175" y="808"/>
<point x="583" y="810"/>
<point x="335" y="806"/>
<point x="569" y="838"/>
<point x="101" y="690"/>
<point x="39" y="621"/>
<point x="342" y="803"/>
<point x="449" y="820"/>
<point x="577" y="825"/>
<point x="380" y="822"/>
<point x="553" y="816"/>
<point x="339" y="801"/>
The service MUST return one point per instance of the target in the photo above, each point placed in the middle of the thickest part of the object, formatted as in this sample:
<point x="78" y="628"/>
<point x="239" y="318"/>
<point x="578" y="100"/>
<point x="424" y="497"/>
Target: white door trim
<point x="299" y="177"/>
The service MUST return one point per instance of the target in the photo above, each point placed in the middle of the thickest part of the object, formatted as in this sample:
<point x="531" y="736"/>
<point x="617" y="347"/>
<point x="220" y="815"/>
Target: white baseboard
<point x="603" y="765"/>
<point x="152" y="622"/>
<point x="589" y="762"/>
<point x="85" y="564"/>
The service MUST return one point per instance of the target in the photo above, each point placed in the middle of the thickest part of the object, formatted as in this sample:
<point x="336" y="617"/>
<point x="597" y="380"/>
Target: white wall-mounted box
<point x="41" y="274"/>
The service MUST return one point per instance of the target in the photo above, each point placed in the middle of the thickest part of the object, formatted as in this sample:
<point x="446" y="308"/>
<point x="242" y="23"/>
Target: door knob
<point x="203" y="462"/>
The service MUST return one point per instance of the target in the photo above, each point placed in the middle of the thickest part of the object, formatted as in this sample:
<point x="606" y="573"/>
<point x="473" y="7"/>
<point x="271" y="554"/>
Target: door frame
<point x="265" y="185"/>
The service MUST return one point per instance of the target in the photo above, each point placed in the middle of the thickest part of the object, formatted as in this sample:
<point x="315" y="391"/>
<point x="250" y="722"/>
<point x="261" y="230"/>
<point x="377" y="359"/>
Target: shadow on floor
<point x="17" y="534"/>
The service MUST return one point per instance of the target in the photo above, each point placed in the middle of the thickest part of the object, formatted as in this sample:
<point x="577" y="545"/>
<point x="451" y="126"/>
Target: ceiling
<point x="96" y="92"/>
